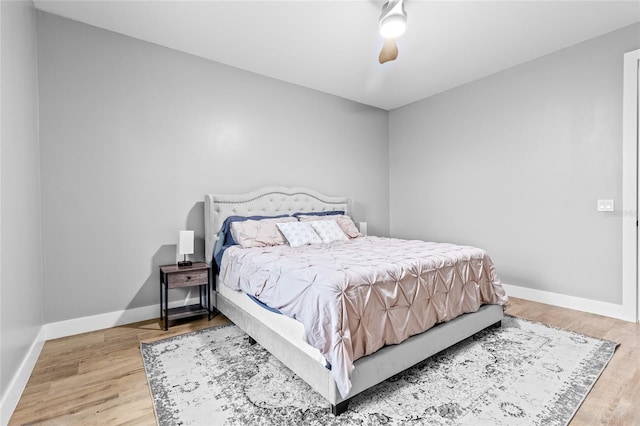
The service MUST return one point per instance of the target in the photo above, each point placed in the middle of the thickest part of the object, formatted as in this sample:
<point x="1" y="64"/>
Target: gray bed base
<point x="369" y="370"/>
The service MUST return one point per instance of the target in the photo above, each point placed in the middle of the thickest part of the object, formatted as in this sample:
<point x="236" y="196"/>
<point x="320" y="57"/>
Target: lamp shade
<point x="185" y="245"/>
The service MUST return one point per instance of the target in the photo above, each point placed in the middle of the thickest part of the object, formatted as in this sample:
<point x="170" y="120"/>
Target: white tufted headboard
<point x="268" y="201"/>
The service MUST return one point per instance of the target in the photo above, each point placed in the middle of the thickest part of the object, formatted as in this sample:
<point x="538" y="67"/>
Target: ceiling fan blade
<point x="389" y="51"/>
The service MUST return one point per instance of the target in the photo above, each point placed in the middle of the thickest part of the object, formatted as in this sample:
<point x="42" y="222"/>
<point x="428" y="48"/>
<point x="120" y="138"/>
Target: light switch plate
<point x="605" y="205"/>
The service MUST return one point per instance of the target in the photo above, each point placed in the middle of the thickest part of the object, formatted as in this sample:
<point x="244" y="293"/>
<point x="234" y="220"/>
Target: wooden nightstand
<point x="172" y="276"/>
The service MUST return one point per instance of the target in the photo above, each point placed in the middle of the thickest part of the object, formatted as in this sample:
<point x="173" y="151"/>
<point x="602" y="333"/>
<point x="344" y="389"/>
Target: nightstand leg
<point x="166" y="306"/>
<point x="161" y="298"/>
<point x="209" y="292"/>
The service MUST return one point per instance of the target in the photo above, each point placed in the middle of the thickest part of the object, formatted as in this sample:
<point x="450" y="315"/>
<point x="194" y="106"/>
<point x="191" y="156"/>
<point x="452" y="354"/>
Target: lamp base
<point x="184" y="263"/>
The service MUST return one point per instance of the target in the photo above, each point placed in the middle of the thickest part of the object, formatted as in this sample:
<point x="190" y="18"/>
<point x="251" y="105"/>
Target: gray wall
<point x="132" y="137"/>
<point x="21" y="300"/>
<point x="515" y="162"/>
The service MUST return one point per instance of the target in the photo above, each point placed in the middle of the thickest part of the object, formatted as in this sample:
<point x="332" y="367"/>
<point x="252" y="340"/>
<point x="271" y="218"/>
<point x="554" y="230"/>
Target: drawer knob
<point x="188" y="277"/>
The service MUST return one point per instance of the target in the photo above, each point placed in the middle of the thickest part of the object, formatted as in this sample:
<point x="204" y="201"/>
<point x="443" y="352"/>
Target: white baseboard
<point x="55" y="330"/>
<point x="571" y="302"/>
<point x="70" y="327"/>
<point x="13" y="392"/>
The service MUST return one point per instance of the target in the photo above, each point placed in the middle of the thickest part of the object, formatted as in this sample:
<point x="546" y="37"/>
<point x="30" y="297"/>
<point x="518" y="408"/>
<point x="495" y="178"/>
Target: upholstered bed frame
<point x="369" y="370"/>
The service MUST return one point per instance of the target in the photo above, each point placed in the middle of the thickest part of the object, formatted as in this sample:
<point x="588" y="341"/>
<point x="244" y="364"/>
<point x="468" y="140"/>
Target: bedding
<point x="353" y="297"/>
<point x="288" y="328"/>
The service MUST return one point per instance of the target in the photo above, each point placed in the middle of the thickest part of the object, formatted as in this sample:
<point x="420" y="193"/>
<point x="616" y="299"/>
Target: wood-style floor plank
<point x="615" y="398"/>
<point x="98" y="378"/>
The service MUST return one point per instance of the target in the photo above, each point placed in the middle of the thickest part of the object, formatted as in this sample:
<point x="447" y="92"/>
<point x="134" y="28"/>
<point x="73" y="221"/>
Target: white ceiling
<point x="333" y="46"/>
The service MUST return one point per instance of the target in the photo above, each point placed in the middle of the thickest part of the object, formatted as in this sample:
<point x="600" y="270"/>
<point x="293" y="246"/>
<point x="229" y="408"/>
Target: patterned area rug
<point x="524" y="373"/>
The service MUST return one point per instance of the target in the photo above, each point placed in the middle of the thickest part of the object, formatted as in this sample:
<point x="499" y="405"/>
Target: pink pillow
<point x="259" y="233"/>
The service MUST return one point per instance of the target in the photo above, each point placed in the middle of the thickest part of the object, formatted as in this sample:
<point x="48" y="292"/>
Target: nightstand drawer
<point x="187" y="278"/>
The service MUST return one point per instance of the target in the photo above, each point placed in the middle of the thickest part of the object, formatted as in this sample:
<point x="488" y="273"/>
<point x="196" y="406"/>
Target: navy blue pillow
<point x="327" y="213"/>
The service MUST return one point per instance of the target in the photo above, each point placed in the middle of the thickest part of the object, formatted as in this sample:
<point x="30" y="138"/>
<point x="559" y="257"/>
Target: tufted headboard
<point x="268" y="201"/>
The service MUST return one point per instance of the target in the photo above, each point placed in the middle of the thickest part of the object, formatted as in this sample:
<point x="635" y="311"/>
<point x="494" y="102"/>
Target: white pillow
<point x="328" y="230"/>
<point x="299" y="233"/>
<point x="344" y="222"/>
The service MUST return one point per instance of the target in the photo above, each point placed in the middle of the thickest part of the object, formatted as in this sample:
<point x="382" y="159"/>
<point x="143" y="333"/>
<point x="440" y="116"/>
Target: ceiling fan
<point x="393" y="23"/>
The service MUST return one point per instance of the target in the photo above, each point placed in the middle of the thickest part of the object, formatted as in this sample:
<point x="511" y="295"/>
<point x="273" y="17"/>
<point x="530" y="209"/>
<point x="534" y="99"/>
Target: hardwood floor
<point x="615" y="398"/>
<point x="98" y="378"/>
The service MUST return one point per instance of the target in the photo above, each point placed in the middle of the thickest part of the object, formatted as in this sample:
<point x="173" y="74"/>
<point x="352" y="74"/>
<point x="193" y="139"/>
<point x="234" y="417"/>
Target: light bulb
<point x="393" y="26"/>
<point x="393" y="20"/>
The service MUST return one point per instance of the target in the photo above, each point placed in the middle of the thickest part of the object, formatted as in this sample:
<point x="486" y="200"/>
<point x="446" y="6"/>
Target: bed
<point x="324" y="367"/>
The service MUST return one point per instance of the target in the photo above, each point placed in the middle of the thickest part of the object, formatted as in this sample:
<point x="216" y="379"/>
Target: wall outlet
<point x="605" y="205"/>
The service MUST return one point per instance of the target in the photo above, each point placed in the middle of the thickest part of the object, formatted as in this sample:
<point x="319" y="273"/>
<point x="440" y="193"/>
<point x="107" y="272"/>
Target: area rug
<point x="523" y="373"/>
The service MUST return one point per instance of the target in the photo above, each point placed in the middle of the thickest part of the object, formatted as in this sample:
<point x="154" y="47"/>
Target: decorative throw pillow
<point x="344" y="222"/>
<point x="299" y="233"/>
<point x="259" y="233"/>
<point x="328" y="230"/>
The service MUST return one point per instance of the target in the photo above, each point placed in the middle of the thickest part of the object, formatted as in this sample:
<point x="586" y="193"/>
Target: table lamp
<point x="185" y="247"/>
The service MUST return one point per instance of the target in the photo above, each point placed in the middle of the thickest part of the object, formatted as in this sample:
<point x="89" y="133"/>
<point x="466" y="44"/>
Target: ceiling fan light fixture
<point x="393" y="26"/>
<point x="393" y="20"/>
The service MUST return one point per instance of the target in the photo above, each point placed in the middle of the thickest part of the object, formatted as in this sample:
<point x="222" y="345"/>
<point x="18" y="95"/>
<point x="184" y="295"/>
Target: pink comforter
<point x="354" y="297"/>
